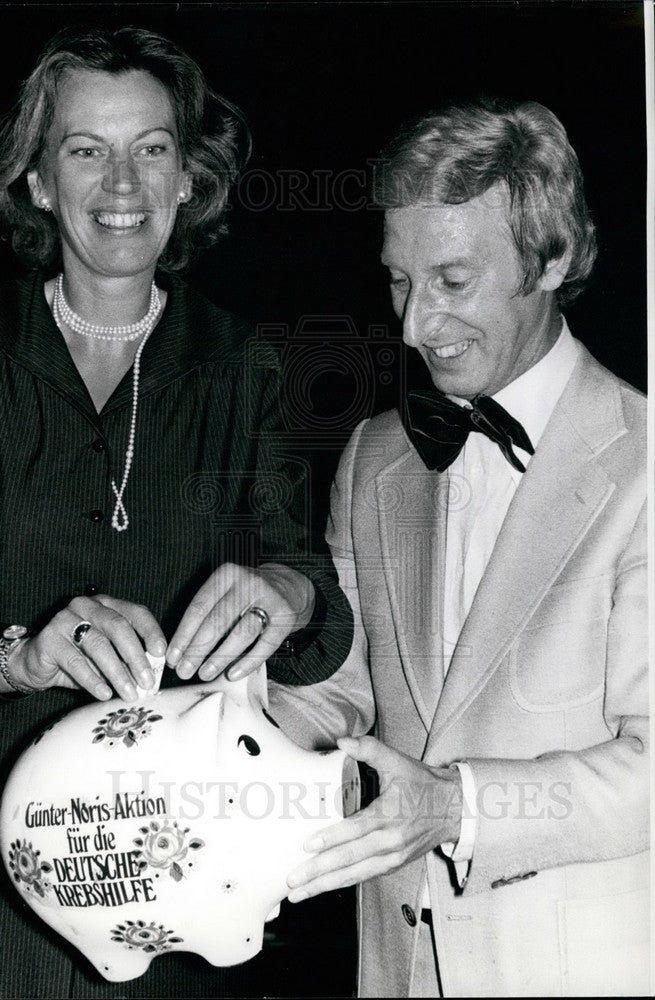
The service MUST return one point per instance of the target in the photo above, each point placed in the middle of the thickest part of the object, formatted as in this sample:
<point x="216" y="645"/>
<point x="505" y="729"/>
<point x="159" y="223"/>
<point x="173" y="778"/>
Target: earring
<point x="45" y="204"/>
<point x="182" y="196"/>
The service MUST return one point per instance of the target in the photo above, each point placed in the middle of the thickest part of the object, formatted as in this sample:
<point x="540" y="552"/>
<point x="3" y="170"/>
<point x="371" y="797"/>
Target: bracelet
<point x="4" y="655"/>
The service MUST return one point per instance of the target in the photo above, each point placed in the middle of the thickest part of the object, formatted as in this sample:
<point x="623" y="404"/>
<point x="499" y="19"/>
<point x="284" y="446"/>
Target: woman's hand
<point x="219" y="616"/>
<point x="111" y="654"/>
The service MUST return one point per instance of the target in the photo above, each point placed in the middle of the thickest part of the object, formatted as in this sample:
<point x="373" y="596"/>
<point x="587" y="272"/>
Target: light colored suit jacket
<point x="546" y="697"/>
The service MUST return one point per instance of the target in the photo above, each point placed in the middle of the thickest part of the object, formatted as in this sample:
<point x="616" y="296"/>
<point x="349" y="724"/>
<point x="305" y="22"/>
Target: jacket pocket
<point x="559" y="661"/>
<point x="605" y="945"/>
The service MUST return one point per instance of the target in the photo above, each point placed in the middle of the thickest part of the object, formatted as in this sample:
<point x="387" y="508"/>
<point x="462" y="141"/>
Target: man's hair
<point x="461" y="150"/>
<point x="213" y="136"/>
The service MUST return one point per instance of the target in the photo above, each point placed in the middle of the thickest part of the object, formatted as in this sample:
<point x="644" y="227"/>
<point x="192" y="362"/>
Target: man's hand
<point x="217" y="628"/>
<point x="419" y="807"/>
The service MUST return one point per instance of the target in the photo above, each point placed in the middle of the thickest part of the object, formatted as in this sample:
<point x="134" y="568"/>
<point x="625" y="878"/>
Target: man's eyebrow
<point x="455" y="262"/>
<point x="386" y="261"/>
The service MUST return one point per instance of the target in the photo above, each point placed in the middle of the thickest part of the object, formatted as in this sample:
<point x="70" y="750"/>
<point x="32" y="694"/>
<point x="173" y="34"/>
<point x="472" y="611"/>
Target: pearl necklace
<point x="119" y="518"/>
<point x="131" y="331"/>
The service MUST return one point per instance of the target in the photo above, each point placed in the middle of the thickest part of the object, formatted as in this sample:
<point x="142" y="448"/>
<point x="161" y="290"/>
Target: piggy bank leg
<point x="119" y="968"/>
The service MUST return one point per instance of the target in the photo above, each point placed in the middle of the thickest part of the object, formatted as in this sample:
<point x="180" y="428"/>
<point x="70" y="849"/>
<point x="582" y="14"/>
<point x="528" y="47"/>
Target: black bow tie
<point x="438" y="428"/>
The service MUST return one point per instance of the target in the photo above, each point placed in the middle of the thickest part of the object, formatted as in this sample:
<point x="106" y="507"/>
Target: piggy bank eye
<point x="251" y="746"/>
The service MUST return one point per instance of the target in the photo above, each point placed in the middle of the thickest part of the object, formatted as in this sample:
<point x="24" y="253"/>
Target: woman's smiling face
<point x="112" y="171"/>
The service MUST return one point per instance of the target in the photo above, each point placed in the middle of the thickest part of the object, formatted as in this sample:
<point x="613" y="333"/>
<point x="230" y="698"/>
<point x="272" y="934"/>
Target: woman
<point x="146" y="503"/>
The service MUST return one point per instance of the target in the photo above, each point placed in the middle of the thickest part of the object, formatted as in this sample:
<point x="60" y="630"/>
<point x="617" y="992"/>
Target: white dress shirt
<point x="481" y="486"/>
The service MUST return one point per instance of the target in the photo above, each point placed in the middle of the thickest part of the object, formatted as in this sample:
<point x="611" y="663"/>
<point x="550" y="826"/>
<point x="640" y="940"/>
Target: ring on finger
<point x="259" y="613"/>
<point x="79" y="632"/>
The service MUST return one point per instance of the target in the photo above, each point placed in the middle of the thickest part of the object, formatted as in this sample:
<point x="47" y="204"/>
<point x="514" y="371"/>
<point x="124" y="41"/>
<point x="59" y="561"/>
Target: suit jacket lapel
<point x="560" y="495"/>
<point x="412" y="530"/>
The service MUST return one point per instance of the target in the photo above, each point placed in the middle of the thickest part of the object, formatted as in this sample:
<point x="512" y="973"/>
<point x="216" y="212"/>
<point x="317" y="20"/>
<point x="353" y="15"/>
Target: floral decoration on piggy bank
<point x="169" y="824"/>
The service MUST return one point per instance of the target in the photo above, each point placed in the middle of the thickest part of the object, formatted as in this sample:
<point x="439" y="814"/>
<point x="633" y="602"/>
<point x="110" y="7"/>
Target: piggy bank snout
<point x="350" y="787"/>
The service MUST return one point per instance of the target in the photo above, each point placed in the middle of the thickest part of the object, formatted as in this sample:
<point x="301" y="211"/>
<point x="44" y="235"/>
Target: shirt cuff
<point x="461" y="853"/>
<point x="297" y="642"/>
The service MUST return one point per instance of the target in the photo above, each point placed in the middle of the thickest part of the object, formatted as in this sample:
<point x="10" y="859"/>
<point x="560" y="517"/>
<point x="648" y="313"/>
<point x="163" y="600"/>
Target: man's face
<point x="454" y="273"/>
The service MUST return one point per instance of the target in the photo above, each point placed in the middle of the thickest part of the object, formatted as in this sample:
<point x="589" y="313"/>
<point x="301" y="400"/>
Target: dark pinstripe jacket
<point x="213" y="479"/>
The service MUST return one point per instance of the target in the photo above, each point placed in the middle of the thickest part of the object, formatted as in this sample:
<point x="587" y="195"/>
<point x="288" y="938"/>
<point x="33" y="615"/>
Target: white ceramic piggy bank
<point x="169" y="824"/>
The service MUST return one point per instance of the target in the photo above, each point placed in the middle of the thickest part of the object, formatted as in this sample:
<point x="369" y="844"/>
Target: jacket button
<point x="90" y="589"/>
<point x="96" y="515"/>
<point x="409" y="915"/>
<point x="98" y="445"/>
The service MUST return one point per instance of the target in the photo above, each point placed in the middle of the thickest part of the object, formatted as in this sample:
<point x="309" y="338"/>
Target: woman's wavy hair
<point x="213" y="135"/>
<point x="461" y="150"/>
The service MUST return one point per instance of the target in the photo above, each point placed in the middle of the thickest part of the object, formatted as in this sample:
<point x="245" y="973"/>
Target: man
<point x="494" y="553"/>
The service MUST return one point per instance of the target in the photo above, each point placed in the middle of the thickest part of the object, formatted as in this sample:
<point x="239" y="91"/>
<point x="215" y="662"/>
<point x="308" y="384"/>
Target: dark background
<point x="323" y="87"/>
